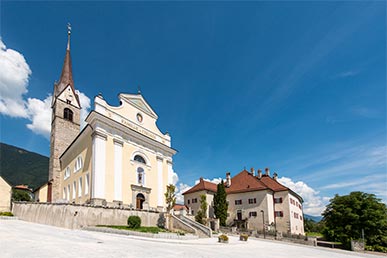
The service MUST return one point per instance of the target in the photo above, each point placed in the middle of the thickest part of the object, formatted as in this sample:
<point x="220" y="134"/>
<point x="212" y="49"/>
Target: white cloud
<point x="214" y="180"/>
<point x="85" y="104"/>
<point x="40" y="116"/>
<point x="313" y="203"/>
<point x="14" y="78"/>
<point x="180" y="189"/>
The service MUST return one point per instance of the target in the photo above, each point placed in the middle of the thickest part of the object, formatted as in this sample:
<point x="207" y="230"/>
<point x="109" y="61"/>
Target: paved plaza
<point x="23" y="239"/>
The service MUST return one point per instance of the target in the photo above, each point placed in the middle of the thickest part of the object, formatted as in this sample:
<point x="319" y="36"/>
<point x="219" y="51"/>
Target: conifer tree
<point x="220" y="204"/>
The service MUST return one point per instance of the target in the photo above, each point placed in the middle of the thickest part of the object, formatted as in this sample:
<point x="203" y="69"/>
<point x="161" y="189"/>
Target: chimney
<point x="228" y="179"/>
<point x="252" y="171"/>
<point x="259" y="175"/>
<point x="201" y="179"/>
<point x="267" y="171"/>
<point x="275" y="176"/>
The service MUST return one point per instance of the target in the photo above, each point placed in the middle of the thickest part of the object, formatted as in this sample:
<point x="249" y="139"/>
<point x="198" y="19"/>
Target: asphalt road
<point x="23" y="239"/>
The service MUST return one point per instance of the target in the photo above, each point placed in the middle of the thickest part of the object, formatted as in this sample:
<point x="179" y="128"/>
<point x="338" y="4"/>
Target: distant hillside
<point x="18" y="166"/>
<point x="315" y="218"/>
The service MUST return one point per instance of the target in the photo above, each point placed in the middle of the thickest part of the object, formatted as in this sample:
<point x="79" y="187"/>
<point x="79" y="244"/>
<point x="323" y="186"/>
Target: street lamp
<point x="263" y="223"/>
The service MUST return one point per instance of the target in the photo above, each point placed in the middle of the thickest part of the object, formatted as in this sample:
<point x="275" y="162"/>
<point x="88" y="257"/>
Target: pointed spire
<point x="66" y="77"/>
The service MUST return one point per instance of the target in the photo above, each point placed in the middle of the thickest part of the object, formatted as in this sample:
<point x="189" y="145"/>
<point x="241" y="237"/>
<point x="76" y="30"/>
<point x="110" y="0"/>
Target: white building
<point x="254" y="202"/>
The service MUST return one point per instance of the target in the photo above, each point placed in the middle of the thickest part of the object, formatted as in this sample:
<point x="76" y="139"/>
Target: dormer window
<point x="68" y="114"/>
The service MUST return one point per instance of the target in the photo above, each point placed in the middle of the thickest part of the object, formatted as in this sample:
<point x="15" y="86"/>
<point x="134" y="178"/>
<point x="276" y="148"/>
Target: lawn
<point x="154" y="230"/>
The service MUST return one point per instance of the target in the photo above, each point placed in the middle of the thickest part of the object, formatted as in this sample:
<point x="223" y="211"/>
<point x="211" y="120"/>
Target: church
<point x="120" y="158"/>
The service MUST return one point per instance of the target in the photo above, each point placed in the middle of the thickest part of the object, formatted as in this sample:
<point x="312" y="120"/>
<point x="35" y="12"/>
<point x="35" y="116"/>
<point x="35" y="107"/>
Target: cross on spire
<point x="68" y="35"/>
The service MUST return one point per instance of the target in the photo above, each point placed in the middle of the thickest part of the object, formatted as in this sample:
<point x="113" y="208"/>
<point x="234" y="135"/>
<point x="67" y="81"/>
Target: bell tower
<point x="65" y="123"/>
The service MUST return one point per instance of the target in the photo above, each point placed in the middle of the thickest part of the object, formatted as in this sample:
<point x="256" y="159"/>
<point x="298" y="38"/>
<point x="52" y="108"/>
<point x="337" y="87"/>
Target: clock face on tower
<point x="139" y="117"/>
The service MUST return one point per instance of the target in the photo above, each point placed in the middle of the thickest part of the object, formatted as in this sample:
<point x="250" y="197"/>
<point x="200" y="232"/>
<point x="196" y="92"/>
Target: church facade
<point x="119" y="158"/>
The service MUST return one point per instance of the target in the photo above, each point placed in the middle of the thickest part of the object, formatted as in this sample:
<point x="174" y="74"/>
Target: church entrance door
<point x="140" y="199"/>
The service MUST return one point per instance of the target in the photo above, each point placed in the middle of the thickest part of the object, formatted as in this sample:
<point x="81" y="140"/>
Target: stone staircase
<point x="201" y="230"/>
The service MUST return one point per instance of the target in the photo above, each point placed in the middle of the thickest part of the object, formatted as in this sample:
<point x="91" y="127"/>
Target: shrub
<point x="6" y="213"/>
<point x="161" y="221"/>
<point x="223" y="238"/>
<point x="134" y="222"/>
<point x="243" y="237"/>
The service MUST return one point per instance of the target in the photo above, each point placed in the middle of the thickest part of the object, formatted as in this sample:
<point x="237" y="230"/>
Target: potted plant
<point x="243" y="237"/>
<point x="223" y="238"/>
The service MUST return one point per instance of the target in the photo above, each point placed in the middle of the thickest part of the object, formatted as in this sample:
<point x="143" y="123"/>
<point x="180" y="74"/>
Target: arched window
<point x="68" y="114"/>
<point x="139" y="159"/>
<point x="140" y="176"/>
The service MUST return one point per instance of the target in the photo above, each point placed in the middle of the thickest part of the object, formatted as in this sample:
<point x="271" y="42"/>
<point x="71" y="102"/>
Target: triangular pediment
<point x="139" y="102"/>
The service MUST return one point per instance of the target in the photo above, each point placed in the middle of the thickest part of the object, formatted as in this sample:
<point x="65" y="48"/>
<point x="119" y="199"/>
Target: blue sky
<point x="299" y="87"/>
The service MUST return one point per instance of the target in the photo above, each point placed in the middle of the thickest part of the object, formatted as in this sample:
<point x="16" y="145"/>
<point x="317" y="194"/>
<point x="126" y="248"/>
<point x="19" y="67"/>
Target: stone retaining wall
<point x="76" y="216"/>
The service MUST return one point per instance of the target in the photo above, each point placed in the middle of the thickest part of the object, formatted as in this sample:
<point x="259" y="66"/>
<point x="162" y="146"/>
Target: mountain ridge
<point x="19" y="166"/>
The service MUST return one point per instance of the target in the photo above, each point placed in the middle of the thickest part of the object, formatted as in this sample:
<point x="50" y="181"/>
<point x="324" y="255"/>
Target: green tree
<point x="346" y="216"/>
<point x="220" y="204"/>
<point x="201" y="215"/>
<point x="170" y="197"/>
<point x="20" y="195"/>
<point x="313" y="226"/>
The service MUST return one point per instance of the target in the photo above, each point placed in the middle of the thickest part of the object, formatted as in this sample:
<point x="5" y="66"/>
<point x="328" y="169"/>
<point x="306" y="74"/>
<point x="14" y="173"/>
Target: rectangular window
<point x="68" y="193"/>
<point x="252" y="214"/>
<point x="296" y="215"/>
<point x="278" y="214"/>
<point x="278" y="200"/>
<point x="74" y="189"/>
<point x="252" y="200"/>
<point x="80" y="187"/>
<point x="189" y="201"/>
<point x="87" y="184"/>
<point x="238" y="202"/>
<point x="194" y="200"/>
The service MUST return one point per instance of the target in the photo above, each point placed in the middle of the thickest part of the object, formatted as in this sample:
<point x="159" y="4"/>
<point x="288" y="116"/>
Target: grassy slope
<point x="18" y="166"/>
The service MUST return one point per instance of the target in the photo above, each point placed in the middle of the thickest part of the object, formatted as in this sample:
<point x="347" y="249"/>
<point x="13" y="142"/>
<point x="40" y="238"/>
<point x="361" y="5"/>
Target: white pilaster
<point x="118" y="170"/>
<point x="99" y="165"/>
<point x="170" y="172"/>
<point x="160" y="190"/>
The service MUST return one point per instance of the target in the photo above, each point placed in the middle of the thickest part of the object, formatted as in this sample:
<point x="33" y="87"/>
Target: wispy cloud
<point x="349" y="73"/>
<point x="357" y="182"/>
<point x="366" y="112"/>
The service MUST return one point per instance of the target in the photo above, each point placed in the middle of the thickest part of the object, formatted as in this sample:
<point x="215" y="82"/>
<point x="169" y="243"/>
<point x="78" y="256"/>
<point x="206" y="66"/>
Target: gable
<point x="139" y="102"/>
<point x="68" y="94"/>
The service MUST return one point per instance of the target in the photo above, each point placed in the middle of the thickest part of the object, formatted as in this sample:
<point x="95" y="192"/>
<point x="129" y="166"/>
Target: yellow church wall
<point x="82" y="147"/>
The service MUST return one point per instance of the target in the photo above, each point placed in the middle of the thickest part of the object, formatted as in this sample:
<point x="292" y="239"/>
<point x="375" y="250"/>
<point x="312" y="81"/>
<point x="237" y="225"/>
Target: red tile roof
<point x="273" y="184"/>
<point x="22" y="187"/>
<point x="243" y="182"/>
<point x="179" y="207"/>
<point x="202" y="185"/>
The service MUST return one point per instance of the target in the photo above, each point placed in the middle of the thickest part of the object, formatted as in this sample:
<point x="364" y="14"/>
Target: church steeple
<point x="66" y="77"/>
<point x="65" y="123"/>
